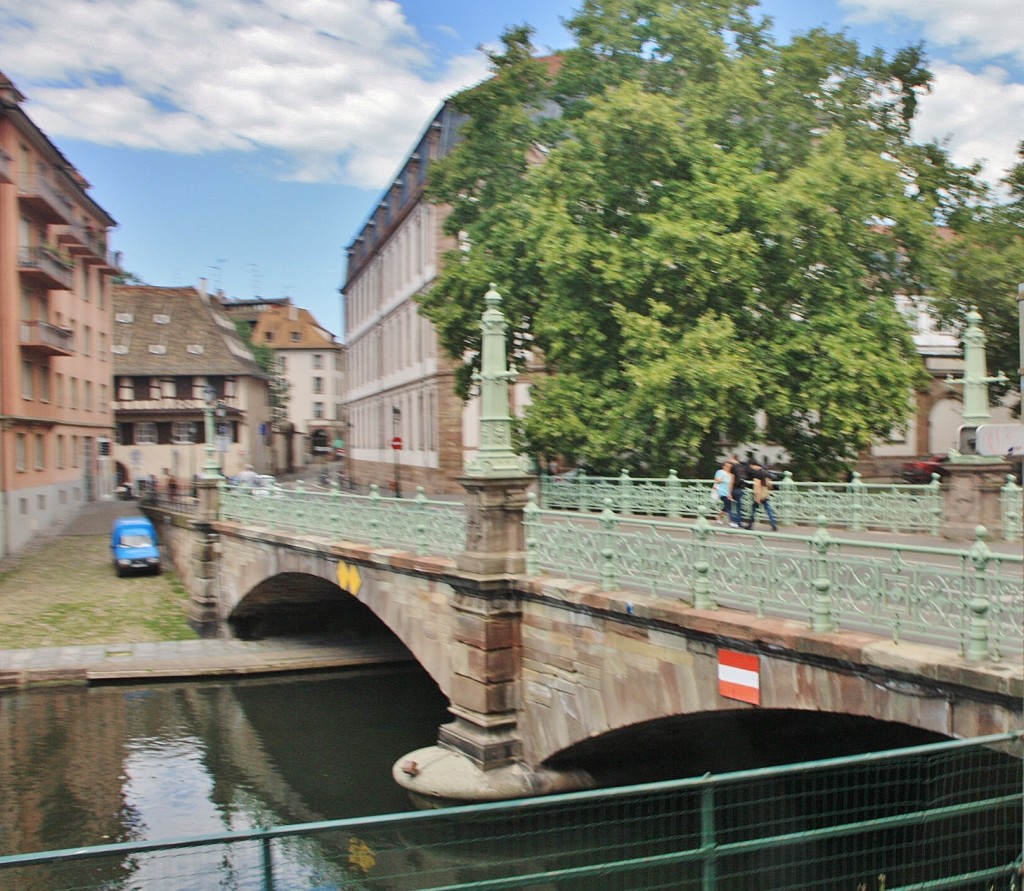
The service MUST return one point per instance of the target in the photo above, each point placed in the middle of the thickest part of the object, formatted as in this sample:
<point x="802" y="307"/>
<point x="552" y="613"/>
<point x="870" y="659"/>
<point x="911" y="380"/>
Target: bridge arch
<point x="678" y="746"/>
<point x="301" y="603"/>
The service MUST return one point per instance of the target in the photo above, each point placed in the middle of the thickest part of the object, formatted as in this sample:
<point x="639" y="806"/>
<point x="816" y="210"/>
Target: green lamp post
<point x="495" y="457"/>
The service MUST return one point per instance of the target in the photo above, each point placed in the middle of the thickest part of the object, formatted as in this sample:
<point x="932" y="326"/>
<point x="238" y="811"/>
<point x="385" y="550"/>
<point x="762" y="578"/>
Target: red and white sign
<point x="739" y="676"/>
<point x="396" y="442"/>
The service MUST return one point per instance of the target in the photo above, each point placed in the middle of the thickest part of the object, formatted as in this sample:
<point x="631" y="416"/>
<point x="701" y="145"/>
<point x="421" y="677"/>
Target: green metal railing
<point x="946" y="815"/>
<point x="855" y="505"/>
<point x="417" y="525"/>
<point x="968" y="599"/>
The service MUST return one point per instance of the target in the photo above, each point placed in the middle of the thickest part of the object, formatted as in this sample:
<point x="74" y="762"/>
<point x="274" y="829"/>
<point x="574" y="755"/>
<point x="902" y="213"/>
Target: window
<point x="44" y="383"/>
<point x="26" y="304"/>
<point x="104" y="401"/>
<point x="61" y="456"/>
<point x="182" y="432"/>
<point x="103" y="346"/>
<point x="318" y="360"/>
<point x="20" y="455"/>
<point x="73" y="392"/>
<point x="28" y="373"/>
<point x="145" y="433"/>
<point x="268" y="335"/>
<point x="281" y="364"/>
<point x="59" y="387"/>
<point x="74" y="451"/>
<point x="318" y="385"/>
<point x="318" y="409"/>
<point x="87" y="341"/>
<point x="337" y="361"/>
<point x="40" y="450"/>
<point x="87" y="395"/>
<point x="296" y="337"/>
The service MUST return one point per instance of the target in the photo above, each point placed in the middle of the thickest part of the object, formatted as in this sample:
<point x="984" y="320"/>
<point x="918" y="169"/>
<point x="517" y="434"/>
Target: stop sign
<point x="396" y="442"/>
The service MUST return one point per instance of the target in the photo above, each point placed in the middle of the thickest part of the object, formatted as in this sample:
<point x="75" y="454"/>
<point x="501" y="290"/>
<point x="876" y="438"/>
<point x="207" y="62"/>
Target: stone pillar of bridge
<point x="203" y="612"/>
<point x="972" y="497"/>
<point x="478" y="756"/>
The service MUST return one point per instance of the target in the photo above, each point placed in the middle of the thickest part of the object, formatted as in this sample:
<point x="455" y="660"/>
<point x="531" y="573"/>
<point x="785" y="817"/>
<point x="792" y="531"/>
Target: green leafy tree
<point x="986" y="262"/>
<point x="712" y="241"/>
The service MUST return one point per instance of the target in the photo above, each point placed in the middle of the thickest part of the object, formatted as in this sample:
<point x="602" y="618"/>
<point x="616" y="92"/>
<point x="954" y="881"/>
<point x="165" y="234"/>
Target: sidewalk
<point x="189" y="659"/>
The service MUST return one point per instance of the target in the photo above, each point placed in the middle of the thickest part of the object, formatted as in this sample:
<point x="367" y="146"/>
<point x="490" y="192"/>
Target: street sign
<point x="999" y="439"/>
<point x="396" y="442"/>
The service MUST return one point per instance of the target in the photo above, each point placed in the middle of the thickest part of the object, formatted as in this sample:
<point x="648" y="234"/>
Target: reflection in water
<point x="103" y="764"/>
<point x="88" y="766"/>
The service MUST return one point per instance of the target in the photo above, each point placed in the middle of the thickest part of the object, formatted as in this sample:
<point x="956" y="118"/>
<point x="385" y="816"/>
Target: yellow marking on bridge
<point x="349" y="578"/>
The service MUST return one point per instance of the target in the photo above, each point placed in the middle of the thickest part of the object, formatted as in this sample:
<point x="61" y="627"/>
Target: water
<point x="88" y="766"/>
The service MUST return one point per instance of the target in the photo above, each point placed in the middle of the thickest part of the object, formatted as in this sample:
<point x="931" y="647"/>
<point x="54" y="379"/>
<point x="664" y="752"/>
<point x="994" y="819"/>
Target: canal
<point x="119" y="763"/>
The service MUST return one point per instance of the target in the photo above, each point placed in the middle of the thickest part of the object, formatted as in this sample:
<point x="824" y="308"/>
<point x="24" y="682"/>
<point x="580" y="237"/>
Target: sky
<point x="246" y="141"/>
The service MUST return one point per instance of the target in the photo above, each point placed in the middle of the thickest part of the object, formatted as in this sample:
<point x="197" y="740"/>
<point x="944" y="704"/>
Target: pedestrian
<point x="762" y="490"/>
<point x="740" y="485"/>
<point x="722" y="488"/>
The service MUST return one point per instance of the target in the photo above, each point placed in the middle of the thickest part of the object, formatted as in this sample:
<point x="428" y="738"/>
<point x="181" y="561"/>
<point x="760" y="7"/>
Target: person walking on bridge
<point x="762" y="484"/>
<point x="723" y="489"/>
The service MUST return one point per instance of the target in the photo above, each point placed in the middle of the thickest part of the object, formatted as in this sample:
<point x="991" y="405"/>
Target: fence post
<point x="856" y="502"/>
<point x="702" y="598"/>
<point x="822" y="620"/>
<point x="609" y="571"/>
<point x="334" y="508"/>
<point x="1010" y="497"/>
<point x="673" y="485"/>
<point x="421" y="526"/>
<point x="784" y="505"/>
<point x="375" y="518"/>
<point x="267" y="858"/>
<point x="708" y="847"/>
<point x="977" y="624"/>
<point x="936" y="502"/>
<point x="625" y="493"/>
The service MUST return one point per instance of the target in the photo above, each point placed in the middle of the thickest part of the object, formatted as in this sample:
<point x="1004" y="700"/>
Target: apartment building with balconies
<point x="177" y="356"/>
<point x="55" y="332"/>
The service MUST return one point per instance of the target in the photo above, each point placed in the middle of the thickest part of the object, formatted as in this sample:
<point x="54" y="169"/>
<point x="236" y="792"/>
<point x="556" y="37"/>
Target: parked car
<point x="921" y="469"/>
<point x="134" y="546"/>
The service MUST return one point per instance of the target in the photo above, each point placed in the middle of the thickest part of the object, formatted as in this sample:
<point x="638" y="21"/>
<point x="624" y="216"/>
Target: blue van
<point x="134" y="545"/>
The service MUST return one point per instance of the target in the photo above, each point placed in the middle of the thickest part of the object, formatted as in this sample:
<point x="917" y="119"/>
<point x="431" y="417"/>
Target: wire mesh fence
<point x="946" y="815"/>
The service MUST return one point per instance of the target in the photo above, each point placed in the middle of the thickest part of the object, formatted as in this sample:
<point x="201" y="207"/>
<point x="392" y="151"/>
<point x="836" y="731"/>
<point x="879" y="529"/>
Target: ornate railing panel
<point x="969" y="600"/>
<point x="417" y="525"/>
<point x="854" y="505"/>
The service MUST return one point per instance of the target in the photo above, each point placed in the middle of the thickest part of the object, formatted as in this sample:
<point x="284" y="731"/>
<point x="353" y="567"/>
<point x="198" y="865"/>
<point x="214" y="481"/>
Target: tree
<point x="713" y="240"/>
<point x="986" y="262"/>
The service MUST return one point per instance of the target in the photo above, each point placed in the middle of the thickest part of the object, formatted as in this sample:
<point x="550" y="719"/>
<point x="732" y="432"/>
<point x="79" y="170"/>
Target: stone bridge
<point x="535" y="668"/>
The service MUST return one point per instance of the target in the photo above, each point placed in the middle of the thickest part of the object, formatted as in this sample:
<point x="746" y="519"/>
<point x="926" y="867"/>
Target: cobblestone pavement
<point x="62" y="589"/>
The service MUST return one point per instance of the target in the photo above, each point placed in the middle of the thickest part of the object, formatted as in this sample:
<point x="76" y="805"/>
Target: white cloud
<point x="980" y="114"/>
<point x="341" y="86"/>
<point x="975" y="29"/>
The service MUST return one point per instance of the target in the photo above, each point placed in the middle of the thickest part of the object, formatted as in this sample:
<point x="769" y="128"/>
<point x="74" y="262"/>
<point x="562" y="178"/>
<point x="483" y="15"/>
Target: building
<point x="176" y="357"/>
<point x="399" y="385"/>
<point x="311" y="361"/>
<point x="56" y="422"/>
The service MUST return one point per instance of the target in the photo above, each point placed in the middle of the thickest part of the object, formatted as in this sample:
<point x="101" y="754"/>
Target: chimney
<point x="202" y="288"/>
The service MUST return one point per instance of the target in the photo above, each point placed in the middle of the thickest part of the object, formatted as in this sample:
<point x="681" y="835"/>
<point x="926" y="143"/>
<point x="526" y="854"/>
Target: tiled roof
<point x="291" y="328"/>
<point x="175" y="331"/>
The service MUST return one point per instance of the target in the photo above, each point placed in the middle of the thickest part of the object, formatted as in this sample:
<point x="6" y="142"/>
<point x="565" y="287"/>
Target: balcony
<point x="79" y="241"/>
<point x="44" y="199"/>
<point x="42" y="266"/>
<point x="45" y="339"/>
<point x="6" y="168"/>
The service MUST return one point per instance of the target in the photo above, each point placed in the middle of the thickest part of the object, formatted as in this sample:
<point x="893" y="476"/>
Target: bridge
<point x="549" y="629"/>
